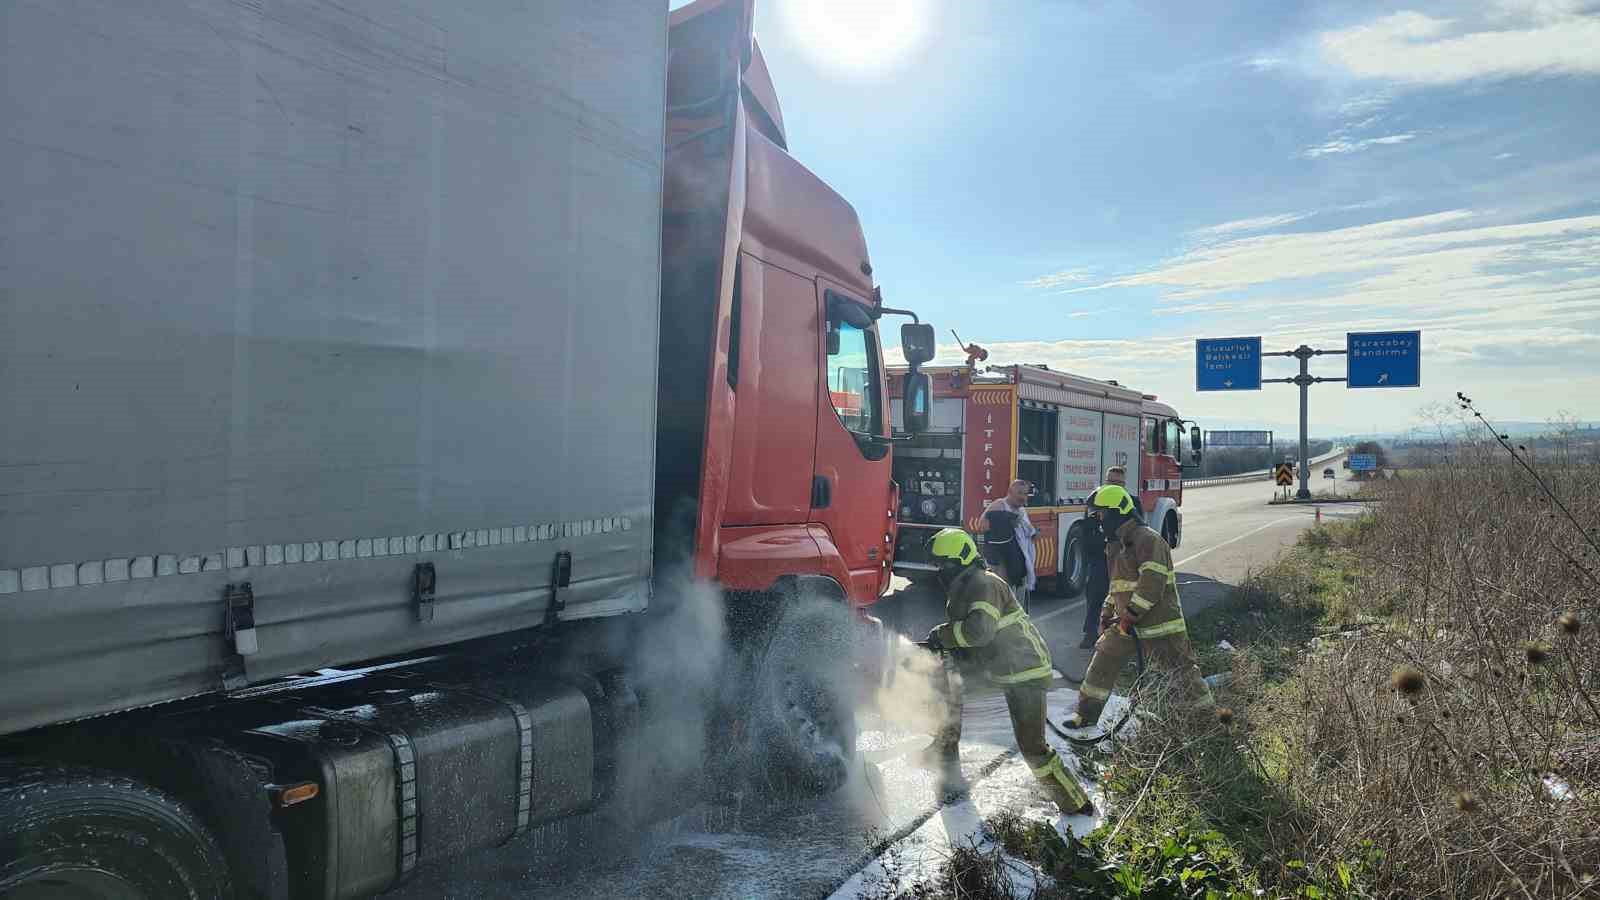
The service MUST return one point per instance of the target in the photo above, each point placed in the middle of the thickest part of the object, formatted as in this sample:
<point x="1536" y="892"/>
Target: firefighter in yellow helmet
<point x="1143" y="602"/>
<point x="985" y="620"/>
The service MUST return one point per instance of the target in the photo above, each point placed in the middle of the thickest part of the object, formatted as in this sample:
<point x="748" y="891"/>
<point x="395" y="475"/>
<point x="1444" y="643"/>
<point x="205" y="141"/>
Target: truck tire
<point x="803" y="724"/>
<point x="1074" y="566"/>
<point x="86" y="835"/>
<point x="1169" y="530"/>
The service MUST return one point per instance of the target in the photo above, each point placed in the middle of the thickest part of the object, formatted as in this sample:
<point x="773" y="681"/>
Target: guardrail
<point x="1256" y="475"/>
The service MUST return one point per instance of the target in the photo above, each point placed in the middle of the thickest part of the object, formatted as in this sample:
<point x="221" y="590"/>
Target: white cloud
<point x="1517" y="39"/>
<point x="1058" y="279"/>
<point x="1521" y="293"/>
<point x="1366" y="104"/>
<point x="1259" y="223"/>
<point x="1341" y="145"/>
<point x="1504" y="155"/>
<point x="1415" y="246"/>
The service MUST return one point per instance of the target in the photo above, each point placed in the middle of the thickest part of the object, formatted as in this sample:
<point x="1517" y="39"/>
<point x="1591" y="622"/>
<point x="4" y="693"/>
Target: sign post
<point x="1374" y="359"/>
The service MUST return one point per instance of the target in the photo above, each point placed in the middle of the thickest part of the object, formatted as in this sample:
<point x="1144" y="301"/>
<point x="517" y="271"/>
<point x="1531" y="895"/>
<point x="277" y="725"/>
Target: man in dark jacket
<point x="1098" y="580"/>
<point x="1008" y="536"/>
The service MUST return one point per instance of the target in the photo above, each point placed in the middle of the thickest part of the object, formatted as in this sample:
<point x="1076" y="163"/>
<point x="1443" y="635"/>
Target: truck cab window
<point x="1171" y="443"/>
<point x="853" y="381"/>
<point x="1152" y="436"/>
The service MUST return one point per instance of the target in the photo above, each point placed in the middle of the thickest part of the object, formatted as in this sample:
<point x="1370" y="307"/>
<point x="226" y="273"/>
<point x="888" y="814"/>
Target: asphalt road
<point x="809" y="849"/>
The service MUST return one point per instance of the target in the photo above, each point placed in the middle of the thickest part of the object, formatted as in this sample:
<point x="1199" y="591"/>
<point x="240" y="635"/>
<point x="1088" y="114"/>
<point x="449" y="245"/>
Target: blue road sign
<point x="1383" y="359"/>
<point x="1227" y="364"/>
<point x="1363" y="462"/>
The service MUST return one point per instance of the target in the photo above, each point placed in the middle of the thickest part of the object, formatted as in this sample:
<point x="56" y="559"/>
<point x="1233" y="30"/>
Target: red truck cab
<point x="773" y="440"/>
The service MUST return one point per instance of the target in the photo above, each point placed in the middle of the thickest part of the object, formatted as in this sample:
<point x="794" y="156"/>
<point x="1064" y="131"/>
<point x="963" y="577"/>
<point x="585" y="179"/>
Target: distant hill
<point x="1431" y="433"/>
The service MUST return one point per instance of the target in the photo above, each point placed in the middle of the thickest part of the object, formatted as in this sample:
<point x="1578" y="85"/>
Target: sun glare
<point x="856" y="36"/>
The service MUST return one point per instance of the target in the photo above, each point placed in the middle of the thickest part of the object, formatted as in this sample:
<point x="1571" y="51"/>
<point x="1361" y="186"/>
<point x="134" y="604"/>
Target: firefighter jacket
<point x="983" y="616"/>
<point x="1144" y="586"/>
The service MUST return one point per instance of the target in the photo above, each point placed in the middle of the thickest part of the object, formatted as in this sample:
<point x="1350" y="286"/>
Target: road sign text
<point x="1227" y="364"/>
<point x="1383" y="359"/>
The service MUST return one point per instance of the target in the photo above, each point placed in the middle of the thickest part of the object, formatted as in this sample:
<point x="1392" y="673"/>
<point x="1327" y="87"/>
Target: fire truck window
<point x="1036" y="453"/>
<point x="1152" y="438"/>
<point x="853" y="380"/>
<point x="1171" y="444"/>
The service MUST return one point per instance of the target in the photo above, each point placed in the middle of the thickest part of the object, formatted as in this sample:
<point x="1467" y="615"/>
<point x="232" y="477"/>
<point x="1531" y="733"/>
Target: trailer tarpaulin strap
<point x="524" y="763"/>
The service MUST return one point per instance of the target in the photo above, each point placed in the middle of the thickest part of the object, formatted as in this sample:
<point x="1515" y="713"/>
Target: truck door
<point x="851" y="480"/>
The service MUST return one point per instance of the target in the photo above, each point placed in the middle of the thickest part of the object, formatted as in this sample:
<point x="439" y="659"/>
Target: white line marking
<point x="1234" y="540"/>
<point x="1078" y="604"/>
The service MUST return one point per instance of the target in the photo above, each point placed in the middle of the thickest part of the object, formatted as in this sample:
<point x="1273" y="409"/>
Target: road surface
<point x="823" y="848"/>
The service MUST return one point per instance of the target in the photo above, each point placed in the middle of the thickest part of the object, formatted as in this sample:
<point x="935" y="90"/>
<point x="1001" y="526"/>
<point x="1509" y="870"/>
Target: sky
<point x="1094" y="185"/>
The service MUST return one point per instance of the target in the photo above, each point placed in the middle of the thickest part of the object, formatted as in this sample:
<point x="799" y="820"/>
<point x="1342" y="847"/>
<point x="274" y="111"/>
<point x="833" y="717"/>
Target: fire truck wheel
<point x="1075" y="571"/>
<point x="803" y="721"/>
<point x="1169" y="530"/>
<point x="81" y="833"/>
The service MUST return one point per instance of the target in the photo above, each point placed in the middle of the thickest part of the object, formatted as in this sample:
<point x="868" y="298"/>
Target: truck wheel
<point x="1169" y="530"/>
<point x="803" y="725"/>
<point x="80" y="834"/>
<point x="1075" y="574"/>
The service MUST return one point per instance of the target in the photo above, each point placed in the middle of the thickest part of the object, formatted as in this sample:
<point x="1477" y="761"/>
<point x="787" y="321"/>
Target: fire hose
<point x="1081" y="740"/>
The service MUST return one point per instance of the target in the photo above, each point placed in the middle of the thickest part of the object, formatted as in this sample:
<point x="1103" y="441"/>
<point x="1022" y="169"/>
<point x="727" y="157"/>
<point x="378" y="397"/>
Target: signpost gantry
<point x="1373" y="359"/>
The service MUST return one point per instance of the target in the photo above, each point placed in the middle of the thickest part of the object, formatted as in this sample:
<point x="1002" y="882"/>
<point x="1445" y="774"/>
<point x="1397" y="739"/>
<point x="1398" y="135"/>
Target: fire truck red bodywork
<point x="1077" y="427"/>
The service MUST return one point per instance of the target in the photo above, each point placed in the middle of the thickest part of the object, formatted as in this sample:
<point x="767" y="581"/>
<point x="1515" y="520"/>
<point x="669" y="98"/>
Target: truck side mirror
<point x="917" y="343"/>
<point x="1196" y="441"/>
<point x="917" y="401"/>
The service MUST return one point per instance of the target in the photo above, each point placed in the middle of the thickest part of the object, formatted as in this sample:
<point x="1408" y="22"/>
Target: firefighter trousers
<point x="1027" y="705"/>
<point x="1170" y="659"/>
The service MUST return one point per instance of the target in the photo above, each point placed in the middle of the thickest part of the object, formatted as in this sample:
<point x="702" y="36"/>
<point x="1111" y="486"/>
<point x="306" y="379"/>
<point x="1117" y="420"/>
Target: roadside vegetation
<point x="1413" y="710"/>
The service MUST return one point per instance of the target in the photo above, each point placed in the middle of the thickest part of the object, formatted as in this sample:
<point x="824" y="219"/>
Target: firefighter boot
<point x="1063" y="789"/>
<point x="1027" y="705"/>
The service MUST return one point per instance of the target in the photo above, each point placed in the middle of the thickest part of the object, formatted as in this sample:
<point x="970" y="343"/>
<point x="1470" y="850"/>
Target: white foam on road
<point x="1010" y="786"/>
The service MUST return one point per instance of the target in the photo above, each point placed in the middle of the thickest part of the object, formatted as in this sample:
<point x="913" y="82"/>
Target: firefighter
<point x="1144" y="607"/>
<point x="986" y="621"/>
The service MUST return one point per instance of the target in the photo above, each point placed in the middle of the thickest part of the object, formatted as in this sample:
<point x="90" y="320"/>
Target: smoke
<point x="913" y="696"/>
<point x="677" y="658"/>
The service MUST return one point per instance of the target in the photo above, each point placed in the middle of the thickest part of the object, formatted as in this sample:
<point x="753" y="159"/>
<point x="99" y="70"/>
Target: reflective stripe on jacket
<point x="1143" y="583"/>
<point x="983" y="615"/>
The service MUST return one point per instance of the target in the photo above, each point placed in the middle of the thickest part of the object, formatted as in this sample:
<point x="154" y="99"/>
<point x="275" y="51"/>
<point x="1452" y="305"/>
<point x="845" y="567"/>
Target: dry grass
<point x="1444" y="734"/>
<point x="1436" y="737"/>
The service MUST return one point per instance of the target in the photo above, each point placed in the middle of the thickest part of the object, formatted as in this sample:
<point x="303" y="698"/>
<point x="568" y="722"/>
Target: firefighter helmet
<point x="1113" y="497"/>
<point x="952" y="546"/>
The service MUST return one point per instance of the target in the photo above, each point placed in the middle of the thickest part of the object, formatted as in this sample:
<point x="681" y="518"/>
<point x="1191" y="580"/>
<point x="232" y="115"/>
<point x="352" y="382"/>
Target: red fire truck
<point x="1057" y="431"/>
